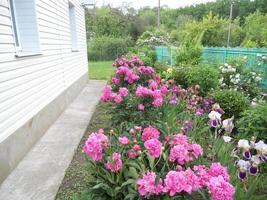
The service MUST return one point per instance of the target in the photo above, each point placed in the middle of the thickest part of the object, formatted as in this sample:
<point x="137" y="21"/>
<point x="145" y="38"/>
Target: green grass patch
<point x="101" y="70"/>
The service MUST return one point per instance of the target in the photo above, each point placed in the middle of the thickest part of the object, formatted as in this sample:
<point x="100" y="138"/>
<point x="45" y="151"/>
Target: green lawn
<point x="101" y="70"/>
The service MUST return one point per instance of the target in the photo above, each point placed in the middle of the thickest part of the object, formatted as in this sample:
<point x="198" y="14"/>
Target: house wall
<point x="34" y="90"/>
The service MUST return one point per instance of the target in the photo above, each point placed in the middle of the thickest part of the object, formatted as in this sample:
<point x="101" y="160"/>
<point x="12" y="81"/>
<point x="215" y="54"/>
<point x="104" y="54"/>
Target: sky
<point x="151" y="3"/>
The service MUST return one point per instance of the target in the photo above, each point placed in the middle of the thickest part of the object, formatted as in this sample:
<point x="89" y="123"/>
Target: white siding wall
<point x="27" y="84"/>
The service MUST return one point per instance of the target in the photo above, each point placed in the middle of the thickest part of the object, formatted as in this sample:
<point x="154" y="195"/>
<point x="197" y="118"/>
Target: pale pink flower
<point x="118" y="99"/>
<point x="179" y="139"/>
<point x="180" y="154"/>
<point x="106" y="95"/>
<point x="152" y="84"/>
<point x="123" y="91"/>
<point x="174" y="182"/>
<point x="153" y="147"/>
<point x="132" y="154"/>
<point x="147" y="185"/>
<point x="137" y="147"/>
<point x="181" y="181"/>
<point x="196" y="150"/>
<point x="164" y="90"/>
<point x="116" y="163"/>
<point x="95" y="145"/>
<point x="157" y="102"/>
<point x="115" y="80"/>
<point x="217" y="169"/>
<point x="124" y="140"/>
<point x="220" y="189"/>
<point x="150" y="133"/>
<point x="141" y="107"/>
<point x="146" y="70"/>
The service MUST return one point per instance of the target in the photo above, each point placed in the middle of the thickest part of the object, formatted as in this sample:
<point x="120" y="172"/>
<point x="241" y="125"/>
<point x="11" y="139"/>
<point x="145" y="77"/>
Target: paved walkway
<point x="39" y="175"/>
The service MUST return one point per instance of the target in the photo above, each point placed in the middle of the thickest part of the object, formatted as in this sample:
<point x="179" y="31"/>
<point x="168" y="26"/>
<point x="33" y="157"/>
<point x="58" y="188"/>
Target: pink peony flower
<point x="196" y="150"/>
<point x="152" y="85"/>
<point x="116" y="164"/>
<point x="143" y="91"/>
<point x="157" y="102"/>
<point x="164" y="90"/>
<point x="146" y="70"/>
<point x="132" y="154"/>
<point x="123" y="91"/>
<point x="174" y="182"/>
<point x="220" y="189"/>
<point x="182" y="181"/>
<point x="147" y="185"/>
<point x="118" y="99"/>
<point x="137" y="147"/>
<point x="115" y="80"/>
<point x="153" y="147"/>
<point x="124" y="140"/>
<point x="217" y="169"/>
<point x="95" y="144"/>
<point x="180" y="154"/>
<point x="106" y="95"/>
<point x="179" y="139"/>
<point x="202" y="172"/>
<point x="150" y="133"/>
<point x="141" y="107"/>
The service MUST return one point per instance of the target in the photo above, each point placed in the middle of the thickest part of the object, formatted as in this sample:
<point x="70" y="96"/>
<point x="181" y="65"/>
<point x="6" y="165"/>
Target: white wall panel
<point x="27" y="84"/>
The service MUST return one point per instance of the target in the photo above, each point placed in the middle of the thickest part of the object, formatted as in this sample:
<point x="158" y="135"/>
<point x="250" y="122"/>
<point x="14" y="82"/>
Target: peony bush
<point x="169" y="142"/>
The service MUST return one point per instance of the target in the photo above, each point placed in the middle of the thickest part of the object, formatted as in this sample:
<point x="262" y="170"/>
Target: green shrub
<point x="205" y="76"/>
<point x="188" y="54"/>
<point x="180" y="75"/>
<point x="231" y="101"/>
<point x="253" y="122"/>
<point x="160" y="67"/>
<point x="107" y="48"/>
<point x="147" y="55"/>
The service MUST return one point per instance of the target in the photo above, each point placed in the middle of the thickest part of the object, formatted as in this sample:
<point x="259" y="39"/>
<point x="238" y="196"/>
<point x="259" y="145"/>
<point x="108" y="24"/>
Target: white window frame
<point x="73" y="27"/>
<point x="16" y="34"/>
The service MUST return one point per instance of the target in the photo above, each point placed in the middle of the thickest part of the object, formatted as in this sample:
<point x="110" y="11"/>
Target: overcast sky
<point x="151" y="3"/>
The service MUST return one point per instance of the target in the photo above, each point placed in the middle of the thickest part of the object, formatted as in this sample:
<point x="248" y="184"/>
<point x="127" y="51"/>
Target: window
<point x="25" y="29"/>
<point x="73" y="32"/>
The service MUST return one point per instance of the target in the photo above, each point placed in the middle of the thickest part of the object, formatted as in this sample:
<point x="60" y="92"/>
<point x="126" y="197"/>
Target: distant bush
<point x="205" y="76"/>
<point x="231" y="101"/>
<point x="188" y="54"/>
<point x="108" y="48"/>
<point x="153" y="38"/>
<point x="253" y="122"/>
<point x="147" y="55"/>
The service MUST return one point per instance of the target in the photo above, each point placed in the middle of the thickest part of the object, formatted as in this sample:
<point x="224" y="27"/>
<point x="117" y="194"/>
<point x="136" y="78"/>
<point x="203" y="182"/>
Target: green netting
<point x="216" y="55"/>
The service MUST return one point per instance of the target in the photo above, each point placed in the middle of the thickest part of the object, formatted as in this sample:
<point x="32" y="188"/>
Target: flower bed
<point x="169" y="142"/>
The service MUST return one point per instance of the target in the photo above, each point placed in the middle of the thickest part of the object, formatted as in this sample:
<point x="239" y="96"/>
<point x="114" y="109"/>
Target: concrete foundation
<point x="16" y="146"/>
<point x="39" y="175"/>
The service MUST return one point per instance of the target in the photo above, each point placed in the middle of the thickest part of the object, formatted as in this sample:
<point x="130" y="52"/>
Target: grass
<point x="101" y="70"/>
<point x="77" y="175"/>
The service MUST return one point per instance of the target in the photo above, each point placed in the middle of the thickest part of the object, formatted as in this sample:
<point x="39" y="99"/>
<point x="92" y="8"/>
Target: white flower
<point x="213" y="115"/>
<point x="221" y="80"/>
<point x="228" y="124"/>
<point x="245" y="57"/>
<point x="255" y="160"/>
<point x="258" y="78"/>
<point x="237" y="75"/>
<point x="227" y="139"/>
<point x="261" y="147"/>
<point x="243" y="144"/>
<point x="243" y="165"/>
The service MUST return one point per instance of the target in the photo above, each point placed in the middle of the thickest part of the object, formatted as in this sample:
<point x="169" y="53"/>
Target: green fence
<point x="217" y="55"/>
